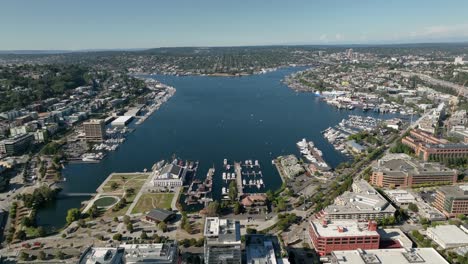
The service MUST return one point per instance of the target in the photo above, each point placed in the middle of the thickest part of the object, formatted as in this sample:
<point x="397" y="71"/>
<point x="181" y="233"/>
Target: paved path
<point x="175" y="198"/>
<point x="142" y="190"/>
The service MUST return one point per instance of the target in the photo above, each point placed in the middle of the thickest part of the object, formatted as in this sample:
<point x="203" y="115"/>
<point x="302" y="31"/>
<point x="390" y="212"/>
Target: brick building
<point x="343" y="235"/>
<point x="400" y="170"/>
<point x="452" y="200"/>
<point x="428" y="147"/>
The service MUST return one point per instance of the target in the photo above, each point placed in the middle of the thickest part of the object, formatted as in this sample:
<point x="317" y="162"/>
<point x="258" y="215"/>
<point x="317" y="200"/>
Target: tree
<point x="130" y="227"/>
<point x="212" y="209"/>
<point x="270" y="195"/>
<point x="41" y="231"/>
<point x="81" y="223"/>
<point x="126" y="219"/>
<point x="130" y="191"/>
<point x="73" y="214"/>
<point x="27" y="221"/>
<point x="41" y="255"/>
<point x="24" y="256"/>
<point x="117" y="237"/>
<point x="413" y="207"/>
<point x="60" y="255"/>
<point x="93" y="211"/>
<point x="237" y="208"/>
<point x="21" y="235"/>
<point x="114" y="186"/>
<point x="461" y="217"/>
<point x="187" y="227"/>
<point x="200" y="242"/>
<point x="251" y="230"/>
<point x="143" y="235"/>
<point x="162" y="226"/>
<point x="232" y="191"/>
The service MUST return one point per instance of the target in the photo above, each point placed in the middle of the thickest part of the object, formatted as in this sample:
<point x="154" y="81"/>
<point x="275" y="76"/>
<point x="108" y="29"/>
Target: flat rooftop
<point x="224" y="231"/>
<point x="389" y="256"/>
<point x="260" y="250"/>
<point x="363" y="199"/>
<point x="102" y="255"/>
<point x="160" y="253"/>
<point x="402" y="164"/>
<point x="449" y="234"/>
<point x="122" y="120"/>
<point x="400" y="196"/>
<point x="395" y="234"/>
<point x="456" y="192"/>
<point x="348" y="227"/>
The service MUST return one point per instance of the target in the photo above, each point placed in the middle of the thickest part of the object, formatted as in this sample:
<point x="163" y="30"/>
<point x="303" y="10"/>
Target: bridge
<point x="76" y="194"/>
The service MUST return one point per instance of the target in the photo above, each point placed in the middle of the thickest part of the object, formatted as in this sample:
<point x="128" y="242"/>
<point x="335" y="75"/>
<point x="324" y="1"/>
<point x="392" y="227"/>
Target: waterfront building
<point x="291" y="167"/>
<point x="328" y="236"/>
<point x="16" y="145"/>
<point x="363" y="203"/>
<point x="400" y="170"/>
<point x="428" y="147"/>
<point x="382" y="256"/>
<point x="159" y="215"/>
<point x="222" y="241"/>
<point x="122" y="121"/>
<point x="171" y="175"/>
<point x="94" y="130"/>
<point x="355" y="147"/>
<point x="262" y="249"/>
<point x="255" y="203"/>
<point x="452" y="200"/>
<point x="447" y="236"/>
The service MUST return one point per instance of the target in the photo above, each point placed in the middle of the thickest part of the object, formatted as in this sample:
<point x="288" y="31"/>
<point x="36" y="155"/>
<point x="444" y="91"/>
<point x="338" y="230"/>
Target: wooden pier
<point x="238" y="170"/>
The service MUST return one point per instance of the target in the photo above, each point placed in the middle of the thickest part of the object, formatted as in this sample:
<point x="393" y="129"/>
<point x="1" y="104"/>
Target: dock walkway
<point x="238" y="170"/>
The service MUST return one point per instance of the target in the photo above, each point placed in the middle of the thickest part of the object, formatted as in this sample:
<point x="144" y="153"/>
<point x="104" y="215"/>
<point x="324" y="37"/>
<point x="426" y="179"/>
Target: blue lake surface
<point x="208" y="119"/>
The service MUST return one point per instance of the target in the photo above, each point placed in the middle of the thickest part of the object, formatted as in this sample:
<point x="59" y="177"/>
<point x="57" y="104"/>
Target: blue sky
<point x="109" y="24"/>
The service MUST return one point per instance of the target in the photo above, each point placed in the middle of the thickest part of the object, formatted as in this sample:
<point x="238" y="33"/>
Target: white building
<point x="447" y="236"/>
<point x="222" y="241"/>
<point x="171" y="175"/>
<point x="400" y="197"/>
<point x="260" y="249"/>
<point x="388" y="256"/>
<point x="122" y="121"/>
<point x="458" y="61"/>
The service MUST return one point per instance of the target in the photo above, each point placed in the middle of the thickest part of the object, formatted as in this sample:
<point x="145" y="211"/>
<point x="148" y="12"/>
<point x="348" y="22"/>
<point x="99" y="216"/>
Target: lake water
<point x="208" y="119"/>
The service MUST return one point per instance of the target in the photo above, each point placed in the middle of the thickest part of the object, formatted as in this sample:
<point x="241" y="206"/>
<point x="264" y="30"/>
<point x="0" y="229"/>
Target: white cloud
<point x="441" y="31"/>
<point x="339" y="37"/>
<point x="323" y="37"/>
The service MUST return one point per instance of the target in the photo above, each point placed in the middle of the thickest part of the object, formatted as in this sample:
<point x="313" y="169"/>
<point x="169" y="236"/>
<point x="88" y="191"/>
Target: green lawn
<point x="150" y="201"/>
<point x="125" y="181"/>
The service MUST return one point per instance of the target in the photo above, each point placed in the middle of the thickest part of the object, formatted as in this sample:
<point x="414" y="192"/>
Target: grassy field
<point x="121" y="212"/>
<point x="150" y="201"/>
<point x="125" y="181"/>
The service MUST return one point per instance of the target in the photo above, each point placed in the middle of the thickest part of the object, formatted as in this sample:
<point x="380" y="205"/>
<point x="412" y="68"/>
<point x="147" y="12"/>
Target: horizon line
<point x="5" y="51"/>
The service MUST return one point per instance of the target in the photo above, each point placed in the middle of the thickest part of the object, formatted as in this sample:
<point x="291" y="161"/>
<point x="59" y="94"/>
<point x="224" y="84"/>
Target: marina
<point x="246" y="174"/>
<point x="312" y="154"/>
<point x="199" y="192"/>
<point x="169" y="131"/>
<point x="338" y="135"/>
